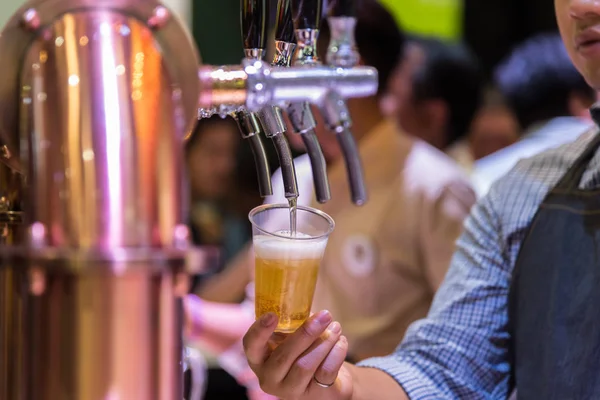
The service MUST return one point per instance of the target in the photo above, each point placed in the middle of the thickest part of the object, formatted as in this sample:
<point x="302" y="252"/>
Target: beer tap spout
<point x="333" y="106"/>
<point x="270" y="117"/>
<point x="342" y="53"/>
<point x="250" y="129"/>
<point x="301" y="116"/>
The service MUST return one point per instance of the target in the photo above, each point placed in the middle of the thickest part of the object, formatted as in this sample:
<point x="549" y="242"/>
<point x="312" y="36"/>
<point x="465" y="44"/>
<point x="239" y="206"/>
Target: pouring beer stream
<point x="96" y="100"/>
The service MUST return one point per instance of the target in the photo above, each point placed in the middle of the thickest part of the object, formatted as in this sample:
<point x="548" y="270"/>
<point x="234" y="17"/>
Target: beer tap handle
<point x="318" y="166"/>
<point x="254" y="17"/>
<point x="254" y="27"/>
<point x="262" y="166"/>
<point x="300" y="114"/>
<point x="307" y="14"/>
<point x="342" y="8"/>
<point x="337" y="116"/>
<point x="284" y="26"/>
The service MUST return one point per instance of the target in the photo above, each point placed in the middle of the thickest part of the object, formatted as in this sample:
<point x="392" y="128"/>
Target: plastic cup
<point x="287" y="265"/>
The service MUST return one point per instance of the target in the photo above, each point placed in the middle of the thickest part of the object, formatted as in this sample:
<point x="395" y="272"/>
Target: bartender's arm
<point x="442" y="219"/>
<point x="459" y="351"/>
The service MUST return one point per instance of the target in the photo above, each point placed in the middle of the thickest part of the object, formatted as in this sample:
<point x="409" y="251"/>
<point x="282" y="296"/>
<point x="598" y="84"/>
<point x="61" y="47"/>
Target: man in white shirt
<point x="550" y="99"/>
<point x="435" y="93"/>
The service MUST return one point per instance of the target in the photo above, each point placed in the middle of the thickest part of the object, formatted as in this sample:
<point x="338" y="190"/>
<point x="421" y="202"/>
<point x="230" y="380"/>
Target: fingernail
<point x="323" y="318"/>
<point x="335" y="327"/>
<point x="267" y="319"/>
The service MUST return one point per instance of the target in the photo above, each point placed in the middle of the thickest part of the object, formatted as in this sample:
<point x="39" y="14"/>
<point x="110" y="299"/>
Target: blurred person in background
<point x="434" y="94"/>
<point x="550" y="99"/>
<point x="386" y="259"/>
<point x="211" y="161"/>
<point x="495" y="126"/>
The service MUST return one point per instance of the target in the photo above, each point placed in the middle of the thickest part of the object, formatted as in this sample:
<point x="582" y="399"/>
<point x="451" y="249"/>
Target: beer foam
<point x="273" y="247"/>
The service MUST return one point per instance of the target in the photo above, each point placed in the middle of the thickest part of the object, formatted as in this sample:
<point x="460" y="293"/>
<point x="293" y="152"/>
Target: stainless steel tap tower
<point x="96" y="100"/>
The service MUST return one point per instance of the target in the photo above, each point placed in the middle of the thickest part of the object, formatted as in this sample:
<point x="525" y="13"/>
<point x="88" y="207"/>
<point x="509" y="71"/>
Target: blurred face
<point x="579" y="24"/>
<point x="398" y="102"/>
<point x="423" y="118"/>
<point x="493" y="129"/>
<point x="211" y="162"/>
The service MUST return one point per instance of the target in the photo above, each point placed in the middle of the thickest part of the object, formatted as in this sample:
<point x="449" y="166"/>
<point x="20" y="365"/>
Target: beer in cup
<point x="287" y="263"/>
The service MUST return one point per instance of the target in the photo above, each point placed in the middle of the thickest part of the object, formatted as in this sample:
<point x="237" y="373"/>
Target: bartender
<point x="519" y="306"/>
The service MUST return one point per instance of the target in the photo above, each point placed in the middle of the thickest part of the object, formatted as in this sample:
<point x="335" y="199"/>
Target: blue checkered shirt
<point x="460" y="350"/>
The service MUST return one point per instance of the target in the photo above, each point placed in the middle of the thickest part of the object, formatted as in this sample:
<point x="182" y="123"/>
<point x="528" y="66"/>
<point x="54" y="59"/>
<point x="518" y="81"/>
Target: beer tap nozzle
<point x="253" y="29"/>
<point x="250" y="128"/>
<point x="307" y="18"/>
<point x="342" y="52"/>
<point x="253" y="20"/>
<point x="300" y="114"/>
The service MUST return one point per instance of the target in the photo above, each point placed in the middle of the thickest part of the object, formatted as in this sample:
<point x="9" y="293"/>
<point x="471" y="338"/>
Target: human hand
<point x="306" y="364"/>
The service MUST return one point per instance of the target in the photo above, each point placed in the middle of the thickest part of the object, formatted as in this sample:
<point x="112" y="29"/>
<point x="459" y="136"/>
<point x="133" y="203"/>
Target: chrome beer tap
<point x="301" y="116"/>
<point x="254" y="18"/>
<point x="307" y="19"/>
<point x="253" y="22"/>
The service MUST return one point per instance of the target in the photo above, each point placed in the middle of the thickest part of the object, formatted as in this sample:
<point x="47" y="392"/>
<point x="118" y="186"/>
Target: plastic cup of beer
<point x="287" y="264"/>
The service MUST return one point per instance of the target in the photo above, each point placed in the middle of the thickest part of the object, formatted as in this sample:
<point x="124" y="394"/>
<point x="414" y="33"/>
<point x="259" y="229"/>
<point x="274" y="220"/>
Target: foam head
<point x="299" y="247"/>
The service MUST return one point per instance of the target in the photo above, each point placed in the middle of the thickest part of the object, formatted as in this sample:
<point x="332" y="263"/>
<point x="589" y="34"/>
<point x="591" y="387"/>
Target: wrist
<point x="352" y="370"/>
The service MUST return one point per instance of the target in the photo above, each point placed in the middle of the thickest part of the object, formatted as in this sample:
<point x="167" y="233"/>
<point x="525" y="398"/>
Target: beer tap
<point x="307" y="18"/>
<point x="254" y="18"/>
<point x="301" y="116"/>
<point x="253" y="21"/>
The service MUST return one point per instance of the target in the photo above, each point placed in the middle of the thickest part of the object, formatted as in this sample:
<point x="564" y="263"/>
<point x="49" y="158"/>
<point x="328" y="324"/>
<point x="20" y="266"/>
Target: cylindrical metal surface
<point x="11" y="285"/>
<point x="92" y="294"/>
<point x="251" y="129"/>
<point x="256" y="85"/>
<point x="342" y="51"/>
<point x="318" y="166"/>
<point x="297" y="84"/>
<point x="93" y="332"/>
<point x="286" y="163"/>
<point x="102" y="127"/>
<point x="12" y="313"/>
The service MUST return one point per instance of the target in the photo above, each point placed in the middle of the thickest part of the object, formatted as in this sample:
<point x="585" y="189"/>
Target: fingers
<point x="303" y="370"/>
<point x="282" y="358"/>
<point x="328" y="370"/>
<point x="256" y="341"/>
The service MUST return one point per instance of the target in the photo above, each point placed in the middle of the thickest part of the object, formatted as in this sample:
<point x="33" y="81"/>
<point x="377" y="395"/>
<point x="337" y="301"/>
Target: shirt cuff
<point x="412" y="377"/>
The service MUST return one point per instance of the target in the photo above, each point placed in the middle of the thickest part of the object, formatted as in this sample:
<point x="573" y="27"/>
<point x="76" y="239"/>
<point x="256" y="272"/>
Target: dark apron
<point x="554" y="301"/>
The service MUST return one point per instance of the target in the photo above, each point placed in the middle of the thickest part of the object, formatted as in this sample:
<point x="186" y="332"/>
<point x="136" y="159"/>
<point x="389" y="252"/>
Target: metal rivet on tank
<point x="160" y="17"/>
<point x="31" y="19"/>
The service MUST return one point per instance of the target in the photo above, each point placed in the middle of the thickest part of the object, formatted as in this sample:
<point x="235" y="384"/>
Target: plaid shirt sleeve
<point x="460" y="350"/>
